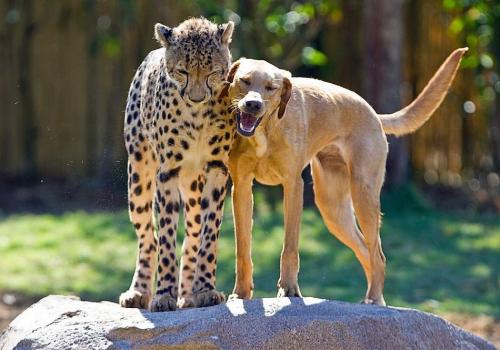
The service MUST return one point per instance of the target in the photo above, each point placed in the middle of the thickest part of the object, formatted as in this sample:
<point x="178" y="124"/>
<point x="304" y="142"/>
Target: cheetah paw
<point x="134" y="299"/>
<point x="289" y="291"/>
<point x="185" y="303"/>
<point x="207" y="298"/>
<point x="163" y="303"/>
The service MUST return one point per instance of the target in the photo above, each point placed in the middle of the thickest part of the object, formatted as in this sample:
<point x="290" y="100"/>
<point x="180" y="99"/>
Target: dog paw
<point x="207" y="298"/>
<point x="134" y="299"/>
<point x="368" y="301"/>
<point x="233" y="296"/>
<point x="289" y="291"/>
<point x="163" y="303"/>
<point x="241" y="294"/>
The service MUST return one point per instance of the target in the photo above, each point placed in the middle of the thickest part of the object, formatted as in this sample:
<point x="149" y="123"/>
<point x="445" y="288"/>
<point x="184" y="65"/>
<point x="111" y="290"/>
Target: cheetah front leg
<point x="204" y="292"/>
<point x="141" y="173"/>
<point x="167" y="204"/>
<point x="191" y="190"/>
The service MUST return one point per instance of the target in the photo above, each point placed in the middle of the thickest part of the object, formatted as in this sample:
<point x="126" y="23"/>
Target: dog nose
<point x="253" y="105"/>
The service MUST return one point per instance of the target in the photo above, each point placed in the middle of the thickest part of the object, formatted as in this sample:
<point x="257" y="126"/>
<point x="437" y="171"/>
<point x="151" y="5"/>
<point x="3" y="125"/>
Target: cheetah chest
<point x="190" y="136"/>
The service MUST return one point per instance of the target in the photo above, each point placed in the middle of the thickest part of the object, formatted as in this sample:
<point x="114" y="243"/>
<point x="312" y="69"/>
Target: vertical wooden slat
<point x="79" y="92"/>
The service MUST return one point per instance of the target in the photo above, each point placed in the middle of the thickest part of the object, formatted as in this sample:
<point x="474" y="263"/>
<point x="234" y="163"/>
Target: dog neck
<point x="259" y="140"/>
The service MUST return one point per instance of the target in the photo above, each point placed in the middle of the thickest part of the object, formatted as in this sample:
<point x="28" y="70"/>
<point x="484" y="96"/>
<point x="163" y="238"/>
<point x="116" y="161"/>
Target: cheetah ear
<point x="229" y="79"/>
<point x="164" y="34"/>
<point x="226" y="32"/>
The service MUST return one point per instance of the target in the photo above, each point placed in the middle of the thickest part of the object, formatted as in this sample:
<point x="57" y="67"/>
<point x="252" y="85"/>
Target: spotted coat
<point x="178" y="151"/>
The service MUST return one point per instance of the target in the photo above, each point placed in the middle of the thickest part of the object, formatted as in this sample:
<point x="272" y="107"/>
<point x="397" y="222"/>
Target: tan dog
<point x="287" y="123"/>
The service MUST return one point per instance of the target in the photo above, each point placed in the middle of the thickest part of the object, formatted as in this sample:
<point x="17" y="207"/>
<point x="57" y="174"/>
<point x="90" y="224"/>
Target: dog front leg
<point x="242" y="199"/>
<point x="289" y="265"/>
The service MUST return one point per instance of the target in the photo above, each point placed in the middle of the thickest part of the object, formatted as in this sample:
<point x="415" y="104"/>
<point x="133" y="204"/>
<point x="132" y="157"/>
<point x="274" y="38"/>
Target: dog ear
<point x="286" y="92"/>
<point x="164" y="34"/>
<point x="232" y="70"/>
<point x="230" y="78"/>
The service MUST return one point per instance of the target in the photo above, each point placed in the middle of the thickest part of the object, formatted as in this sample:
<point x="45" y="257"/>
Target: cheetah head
<point x="197" y="56"/>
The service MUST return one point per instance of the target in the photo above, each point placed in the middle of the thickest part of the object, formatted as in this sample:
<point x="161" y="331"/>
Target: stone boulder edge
<point x="61" y="322"/>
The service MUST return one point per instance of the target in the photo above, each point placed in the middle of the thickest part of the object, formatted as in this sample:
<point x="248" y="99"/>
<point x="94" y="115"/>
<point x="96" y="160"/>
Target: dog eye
<point x="246" y="81"/>
<point x="271" y="88"/>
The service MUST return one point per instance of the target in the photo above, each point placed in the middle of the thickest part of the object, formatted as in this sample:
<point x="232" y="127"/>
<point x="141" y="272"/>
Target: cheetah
<point x="178" y="133"/>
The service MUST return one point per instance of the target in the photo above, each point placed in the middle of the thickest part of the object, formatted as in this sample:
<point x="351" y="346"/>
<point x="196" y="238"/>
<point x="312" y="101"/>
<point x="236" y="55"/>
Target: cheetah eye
<point x="217" y="71"/>
<point x="246" y="81"/>
<point x="182" y="71"/>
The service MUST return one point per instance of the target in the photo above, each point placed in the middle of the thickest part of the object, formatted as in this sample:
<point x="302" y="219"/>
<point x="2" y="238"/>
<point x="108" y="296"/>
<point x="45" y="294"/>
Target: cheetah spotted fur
<point x="178" y="134"/>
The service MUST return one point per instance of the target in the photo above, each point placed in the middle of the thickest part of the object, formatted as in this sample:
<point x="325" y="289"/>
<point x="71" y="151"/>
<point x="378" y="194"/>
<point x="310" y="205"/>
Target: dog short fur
<point x="285" y="123"/>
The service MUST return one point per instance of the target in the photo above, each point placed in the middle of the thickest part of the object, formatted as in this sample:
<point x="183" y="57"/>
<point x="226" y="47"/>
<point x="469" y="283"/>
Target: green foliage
<point x="277" y="30"/>
<point x="106" y="32"/>
<point x="436" y="262"/>
<point x="313" y="57"/>
<point x="477" y="22"/>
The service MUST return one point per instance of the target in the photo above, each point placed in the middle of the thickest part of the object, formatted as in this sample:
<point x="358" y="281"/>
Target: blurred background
<point x="65" y="71"/>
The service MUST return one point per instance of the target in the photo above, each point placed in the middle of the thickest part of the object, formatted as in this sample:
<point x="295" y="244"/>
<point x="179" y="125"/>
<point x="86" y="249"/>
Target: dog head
<point x="258" y="90"/>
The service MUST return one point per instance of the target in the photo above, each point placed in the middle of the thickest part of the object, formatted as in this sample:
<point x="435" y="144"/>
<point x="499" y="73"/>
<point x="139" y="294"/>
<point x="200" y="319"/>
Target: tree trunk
<point x="382" y="73"/>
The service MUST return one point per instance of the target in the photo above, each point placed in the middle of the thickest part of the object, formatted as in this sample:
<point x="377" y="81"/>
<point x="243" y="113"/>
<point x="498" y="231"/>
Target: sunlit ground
<point x="437" y="262"/>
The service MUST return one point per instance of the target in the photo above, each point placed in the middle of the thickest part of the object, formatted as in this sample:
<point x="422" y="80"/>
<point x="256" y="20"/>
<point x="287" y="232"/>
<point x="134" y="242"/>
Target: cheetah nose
<point x="253" y="105"/>
<point x="196" y="100"/>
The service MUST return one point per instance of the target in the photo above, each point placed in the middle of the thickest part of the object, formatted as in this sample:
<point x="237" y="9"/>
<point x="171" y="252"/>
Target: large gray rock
<point x="58" y="322"/>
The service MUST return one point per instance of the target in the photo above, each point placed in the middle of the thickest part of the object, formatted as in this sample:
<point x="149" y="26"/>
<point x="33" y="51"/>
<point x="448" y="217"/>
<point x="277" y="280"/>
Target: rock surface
<point x="58" y="322"/>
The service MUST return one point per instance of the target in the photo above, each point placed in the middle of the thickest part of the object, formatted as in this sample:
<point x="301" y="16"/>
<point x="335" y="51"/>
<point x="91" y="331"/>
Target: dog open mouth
<point x="246" y="123"/>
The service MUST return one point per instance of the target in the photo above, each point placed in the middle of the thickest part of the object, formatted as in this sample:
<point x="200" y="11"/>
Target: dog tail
<point x="413" y="116"/>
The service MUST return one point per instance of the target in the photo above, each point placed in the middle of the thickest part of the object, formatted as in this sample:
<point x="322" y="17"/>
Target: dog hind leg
<point x="366" y="183"/>
<point x="333" y="199"/>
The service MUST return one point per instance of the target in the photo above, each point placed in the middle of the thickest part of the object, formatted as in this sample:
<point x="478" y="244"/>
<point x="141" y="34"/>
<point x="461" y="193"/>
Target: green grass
<point x="435" y="261"/>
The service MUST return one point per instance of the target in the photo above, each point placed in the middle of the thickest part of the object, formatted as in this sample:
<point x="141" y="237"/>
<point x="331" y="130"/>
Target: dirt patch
<point x="484" y="326"/>
<point x="11" y="305"/>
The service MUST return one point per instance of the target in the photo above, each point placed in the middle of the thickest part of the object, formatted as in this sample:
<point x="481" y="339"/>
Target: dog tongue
<point x="247" y="121"/>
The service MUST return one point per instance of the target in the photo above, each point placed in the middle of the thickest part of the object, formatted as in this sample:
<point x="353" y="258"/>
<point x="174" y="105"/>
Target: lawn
<point x="435" y="261"/>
